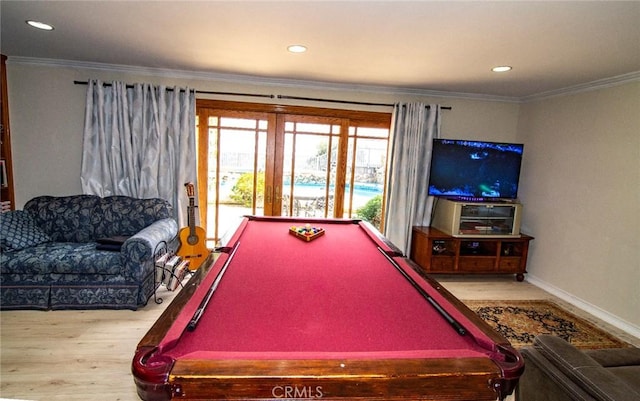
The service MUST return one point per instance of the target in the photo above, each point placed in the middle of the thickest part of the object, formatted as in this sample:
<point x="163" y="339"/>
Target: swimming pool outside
<point x="230" y="212"/>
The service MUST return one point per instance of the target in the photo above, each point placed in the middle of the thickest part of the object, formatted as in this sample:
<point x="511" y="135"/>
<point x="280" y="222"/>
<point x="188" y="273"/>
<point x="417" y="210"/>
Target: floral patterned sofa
<point x="52" y="258"/>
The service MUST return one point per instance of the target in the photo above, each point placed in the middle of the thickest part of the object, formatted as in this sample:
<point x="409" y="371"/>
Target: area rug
<point x="521" y="321"/>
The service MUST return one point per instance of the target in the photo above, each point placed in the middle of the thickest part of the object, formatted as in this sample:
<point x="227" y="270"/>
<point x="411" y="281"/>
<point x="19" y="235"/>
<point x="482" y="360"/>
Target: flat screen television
<point x="475" y="170"/>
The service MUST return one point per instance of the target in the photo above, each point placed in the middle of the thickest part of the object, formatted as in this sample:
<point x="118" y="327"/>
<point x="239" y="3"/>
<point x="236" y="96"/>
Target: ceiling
<point x="432" y="46"/>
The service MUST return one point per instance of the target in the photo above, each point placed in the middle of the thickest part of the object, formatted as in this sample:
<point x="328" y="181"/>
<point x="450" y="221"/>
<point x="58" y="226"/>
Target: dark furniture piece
<point x="6" y="163"/>
<point x="50" y="258"/>
<point x="557" y="371"/>
<point x="342" y="316"/>
<point x="437" y="252"/>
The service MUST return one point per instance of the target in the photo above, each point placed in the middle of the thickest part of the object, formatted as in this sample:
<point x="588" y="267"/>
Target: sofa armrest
<point x="543" y="381"/>
<point x="562" y="354"/>
<point x="139" y="250"/>
<point x="582" y="370"/>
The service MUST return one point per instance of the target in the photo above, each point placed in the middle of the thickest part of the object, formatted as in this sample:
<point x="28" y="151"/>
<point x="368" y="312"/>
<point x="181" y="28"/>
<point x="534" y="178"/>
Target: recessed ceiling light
<point x="297" y="48"/>
<point x="40" y="25"/>
<point x="502" y="68"/>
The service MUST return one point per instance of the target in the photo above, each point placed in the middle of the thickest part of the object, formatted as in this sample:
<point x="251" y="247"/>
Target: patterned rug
<point x="521" y="321"/>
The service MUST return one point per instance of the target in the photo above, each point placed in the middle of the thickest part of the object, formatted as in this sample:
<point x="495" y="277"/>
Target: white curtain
<point x="140" y="141"/>
<point x="414" y="125"/>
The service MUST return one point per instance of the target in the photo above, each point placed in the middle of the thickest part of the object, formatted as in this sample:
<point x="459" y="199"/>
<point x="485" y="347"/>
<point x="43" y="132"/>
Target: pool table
<point x="342" y="317"/>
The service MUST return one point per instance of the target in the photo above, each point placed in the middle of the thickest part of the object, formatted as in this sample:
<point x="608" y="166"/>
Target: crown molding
<point x="588" y="86"/>
<point x="255" y="80"/>
<point x="318" y="85"/>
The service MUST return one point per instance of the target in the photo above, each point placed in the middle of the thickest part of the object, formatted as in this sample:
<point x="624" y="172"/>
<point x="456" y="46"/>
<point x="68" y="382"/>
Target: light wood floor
<point x="86" y="355"/>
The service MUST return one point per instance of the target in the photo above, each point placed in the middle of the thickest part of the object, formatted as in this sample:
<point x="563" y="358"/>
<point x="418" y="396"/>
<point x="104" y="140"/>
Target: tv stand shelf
<point x="438" y="252"/>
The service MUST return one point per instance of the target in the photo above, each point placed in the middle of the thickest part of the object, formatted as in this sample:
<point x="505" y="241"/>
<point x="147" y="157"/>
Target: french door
<point x="291" y="161"/>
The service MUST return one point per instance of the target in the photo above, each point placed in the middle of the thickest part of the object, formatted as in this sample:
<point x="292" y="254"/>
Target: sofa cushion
<point x="18" y="230"/>
<point x="613" y="357"/>
<point x="624" y="363"/>
<point x="125" y="216"/>
<point x="53" y="259"/>
<point x="34" y="262"/>
<point x="630" y="375"/>
<point x="85" y="259"/>
<point x="65" y="218"/>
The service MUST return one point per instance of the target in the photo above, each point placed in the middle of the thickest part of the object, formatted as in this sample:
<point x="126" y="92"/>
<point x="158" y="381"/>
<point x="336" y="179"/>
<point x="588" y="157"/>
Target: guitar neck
<point x="191" y="219"/>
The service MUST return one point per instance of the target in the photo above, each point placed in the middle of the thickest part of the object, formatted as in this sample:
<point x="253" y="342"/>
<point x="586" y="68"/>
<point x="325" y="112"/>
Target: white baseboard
<point x="586" y="306"/>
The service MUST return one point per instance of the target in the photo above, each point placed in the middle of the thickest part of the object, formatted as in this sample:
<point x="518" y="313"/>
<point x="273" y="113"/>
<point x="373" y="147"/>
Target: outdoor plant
<point x="371" y="211"/>
<point x="242" y="191"/>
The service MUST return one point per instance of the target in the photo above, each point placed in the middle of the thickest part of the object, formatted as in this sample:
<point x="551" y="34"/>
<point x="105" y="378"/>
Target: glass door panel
<point x="236" y="171"/>
<point x="366" y="170"/>
<point x="309" y="172"/>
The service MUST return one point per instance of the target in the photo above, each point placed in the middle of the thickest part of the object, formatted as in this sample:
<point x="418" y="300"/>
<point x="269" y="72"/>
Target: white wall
<point x="582" y="185"/>
<point x="47" y="113"/>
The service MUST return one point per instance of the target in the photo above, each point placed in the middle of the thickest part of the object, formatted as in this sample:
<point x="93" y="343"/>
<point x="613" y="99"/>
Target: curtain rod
<point x="344" y="101"/>
<point x="284" y="97"/>
<point x="209" y="93"/>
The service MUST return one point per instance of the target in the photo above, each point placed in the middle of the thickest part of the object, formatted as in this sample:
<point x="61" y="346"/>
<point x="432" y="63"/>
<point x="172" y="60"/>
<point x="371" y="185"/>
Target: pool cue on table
<point x="203" y="305"/>
<point x="457" y="326"/>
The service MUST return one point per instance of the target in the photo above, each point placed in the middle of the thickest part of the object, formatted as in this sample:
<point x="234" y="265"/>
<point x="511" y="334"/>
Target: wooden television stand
<point x="438" y="252"/>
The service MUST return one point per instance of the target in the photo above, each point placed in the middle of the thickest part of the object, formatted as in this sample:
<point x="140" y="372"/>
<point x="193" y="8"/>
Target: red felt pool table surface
<point x="343" y="316"/>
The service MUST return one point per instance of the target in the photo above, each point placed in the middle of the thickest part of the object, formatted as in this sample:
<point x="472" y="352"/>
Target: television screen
<point x="475" y="170"/>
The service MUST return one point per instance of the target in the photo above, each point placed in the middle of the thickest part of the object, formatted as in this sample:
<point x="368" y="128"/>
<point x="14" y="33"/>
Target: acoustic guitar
<point x="192" y="238"/>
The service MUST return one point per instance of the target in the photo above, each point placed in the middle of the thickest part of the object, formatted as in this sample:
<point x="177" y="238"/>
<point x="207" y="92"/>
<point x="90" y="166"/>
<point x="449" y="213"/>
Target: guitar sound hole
<point x="192" y="239"/>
